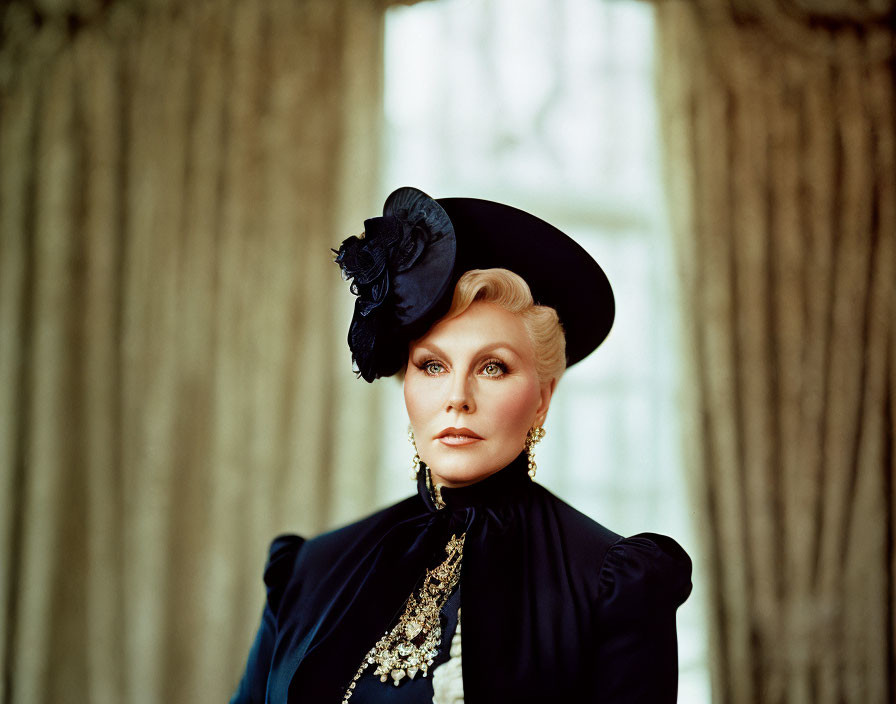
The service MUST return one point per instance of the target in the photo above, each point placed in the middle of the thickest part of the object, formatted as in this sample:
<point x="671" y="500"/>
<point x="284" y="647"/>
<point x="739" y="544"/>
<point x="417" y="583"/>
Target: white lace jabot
<point x="447" y="679"/>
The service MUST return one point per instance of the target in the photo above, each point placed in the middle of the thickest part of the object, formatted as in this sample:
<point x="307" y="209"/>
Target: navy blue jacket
<point x="555" y="607"/>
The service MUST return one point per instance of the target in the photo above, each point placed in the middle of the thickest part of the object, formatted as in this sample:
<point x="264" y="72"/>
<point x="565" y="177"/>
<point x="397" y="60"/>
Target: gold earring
<point x="415" y="463"/>
<point x="533" y="437"/>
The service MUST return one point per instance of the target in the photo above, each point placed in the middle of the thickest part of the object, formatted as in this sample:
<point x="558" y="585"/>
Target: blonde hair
<point x="510" y="291"/>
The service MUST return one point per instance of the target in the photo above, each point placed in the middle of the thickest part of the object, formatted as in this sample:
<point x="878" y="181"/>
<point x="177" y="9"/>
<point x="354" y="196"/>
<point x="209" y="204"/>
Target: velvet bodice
<point x="555" y="607"/>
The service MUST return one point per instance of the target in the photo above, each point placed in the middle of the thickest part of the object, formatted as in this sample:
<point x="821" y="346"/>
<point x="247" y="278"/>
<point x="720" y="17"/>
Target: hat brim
<point x="560" y="273"/>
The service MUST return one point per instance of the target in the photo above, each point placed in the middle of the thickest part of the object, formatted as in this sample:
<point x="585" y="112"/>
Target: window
<point x="549" y="105"/>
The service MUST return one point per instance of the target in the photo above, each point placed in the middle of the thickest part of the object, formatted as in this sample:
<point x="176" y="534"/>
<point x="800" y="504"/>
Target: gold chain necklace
<point x="412" y="645"/>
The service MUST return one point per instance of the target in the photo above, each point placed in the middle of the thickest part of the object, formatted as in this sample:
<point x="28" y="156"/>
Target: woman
<point x="482" y="587"/>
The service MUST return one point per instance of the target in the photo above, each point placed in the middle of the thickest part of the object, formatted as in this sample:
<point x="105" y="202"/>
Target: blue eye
<point x="494" y="368"/>
<point x="433" y="368"/>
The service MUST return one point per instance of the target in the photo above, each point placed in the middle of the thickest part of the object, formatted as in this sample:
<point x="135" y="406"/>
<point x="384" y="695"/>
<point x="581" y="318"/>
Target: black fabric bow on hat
<point x="406" y="263"/>
<point x="401" y="268"/>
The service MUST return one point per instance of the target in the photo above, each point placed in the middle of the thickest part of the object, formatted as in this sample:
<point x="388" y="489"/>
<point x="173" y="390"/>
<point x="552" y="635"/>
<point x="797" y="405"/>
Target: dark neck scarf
<point x="350" y="586"/>
<point x="493" y="493"/>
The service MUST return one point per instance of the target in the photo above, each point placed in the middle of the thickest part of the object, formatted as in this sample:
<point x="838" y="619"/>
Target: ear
<point x="547" y="391"/>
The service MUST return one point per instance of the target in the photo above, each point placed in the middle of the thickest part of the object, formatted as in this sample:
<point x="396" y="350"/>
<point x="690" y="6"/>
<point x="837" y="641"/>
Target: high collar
<point x="494" y="490"/>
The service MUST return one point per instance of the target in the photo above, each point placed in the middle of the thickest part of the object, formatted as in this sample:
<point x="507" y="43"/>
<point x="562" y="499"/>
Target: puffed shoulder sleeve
<point x="279" y="568"/>
<point x="277" y="573"/>
<point x="643" y="580"/>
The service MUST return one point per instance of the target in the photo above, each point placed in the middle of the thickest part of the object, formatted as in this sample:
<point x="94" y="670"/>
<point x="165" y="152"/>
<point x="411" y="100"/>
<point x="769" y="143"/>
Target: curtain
<point x="175" y="386"/>
<point x="779" y="124"/>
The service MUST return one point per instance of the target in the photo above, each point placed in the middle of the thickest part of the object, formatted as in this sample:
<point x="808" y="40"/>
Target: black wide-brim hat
<point x="405" y="265"/>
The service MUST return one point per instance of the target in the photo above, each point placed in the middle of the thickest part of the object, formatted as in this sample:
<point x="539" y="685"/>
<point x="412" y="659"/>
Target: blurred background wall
<point x="172" y="360"/>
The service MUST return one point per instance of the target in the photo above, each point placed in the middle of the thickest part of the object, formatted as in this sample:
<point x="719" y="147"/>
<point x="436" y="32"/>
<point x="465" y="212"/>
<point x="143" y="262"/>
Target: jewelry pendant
<point x="411" y="647"/>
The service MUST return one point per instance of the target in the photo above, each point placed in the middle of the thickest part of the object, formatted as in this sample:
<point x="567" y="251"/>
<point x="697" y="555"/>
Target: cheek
<point x="515" y="409"/>
<point x="410" y="400"/>
<point x="419" y="398"/>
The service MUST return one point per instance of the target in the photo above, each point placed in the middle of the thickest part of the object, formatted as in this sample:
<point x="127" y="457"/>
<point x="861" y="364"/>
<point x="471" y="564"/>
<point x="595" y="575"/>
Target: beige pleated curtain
<point x="780" y="117"/>
<point x="174" y="382"/>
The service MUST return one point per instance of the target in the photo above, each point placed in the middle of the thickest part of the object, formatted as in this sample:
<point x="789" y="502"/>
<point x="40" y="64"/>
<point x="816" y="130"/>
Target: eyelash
<point x="424" y="367"/>
<point x="499" y="364"/>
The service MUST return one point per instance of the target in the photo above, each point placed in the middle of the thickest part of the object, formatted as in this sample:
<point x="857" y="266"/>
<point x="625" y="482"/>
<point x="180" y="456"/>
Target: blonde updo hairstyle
<point x="510" y="291"/>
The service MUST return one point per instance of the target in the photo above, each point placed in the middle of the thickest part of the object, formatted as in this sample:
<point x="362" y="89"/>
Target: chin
<point x="452" y="468"/>
<point x="460" y="477"/>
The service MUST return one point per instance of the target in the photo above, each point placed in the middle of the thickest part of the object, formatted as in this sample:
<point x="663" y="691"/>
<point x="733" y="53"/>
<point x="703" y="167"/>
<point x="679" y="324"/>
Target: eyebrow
<point x="491" y="347"/>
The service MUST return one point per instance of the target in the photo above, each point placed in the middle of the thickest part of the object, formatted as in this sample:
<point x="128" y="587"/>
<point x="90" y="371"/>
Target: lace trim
<point x="448" y="679"/>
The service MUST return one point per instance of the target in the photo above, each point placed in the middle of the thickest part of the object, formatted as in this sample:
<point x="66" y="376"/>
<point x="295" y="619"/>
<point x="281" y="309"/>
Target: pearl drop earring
<point x="533" y="437"/>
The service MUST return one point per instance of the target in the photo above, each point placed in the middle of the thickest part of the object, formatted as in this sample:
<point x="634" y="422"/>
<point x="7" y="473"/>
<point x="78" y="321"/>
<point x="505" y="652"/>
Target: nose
<point x="460" y="396"/>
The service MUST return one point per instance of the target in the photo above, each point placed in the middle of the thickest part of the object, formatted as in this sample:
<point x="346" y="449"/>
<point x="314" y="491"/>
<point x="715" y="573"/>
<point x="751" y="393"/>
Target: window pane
<point x="549" y="105"/>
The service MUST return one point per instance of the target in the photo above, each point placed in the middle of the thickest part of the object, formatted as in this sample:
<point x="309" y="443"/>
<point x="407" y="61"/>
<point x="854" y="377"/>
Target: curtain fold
<point x="779" y="122"/>
<point x="174" y="378"/>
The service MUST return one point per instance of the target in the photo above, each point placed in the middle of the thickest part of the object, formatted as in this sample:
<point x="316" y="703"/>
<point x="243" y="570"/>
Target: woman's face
<point x="472" y="393"/>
